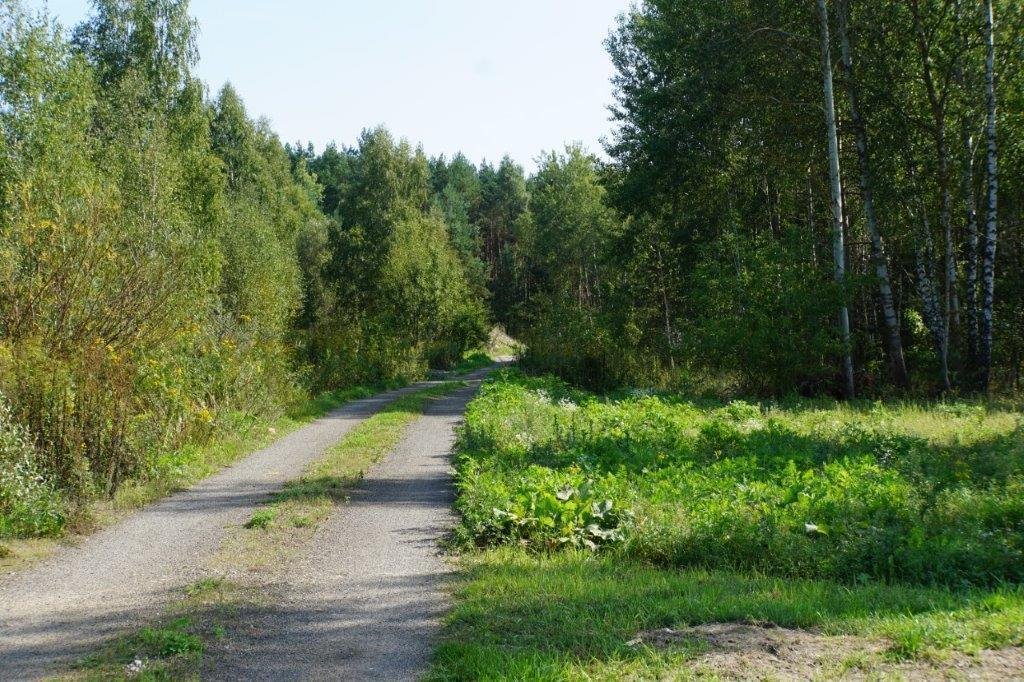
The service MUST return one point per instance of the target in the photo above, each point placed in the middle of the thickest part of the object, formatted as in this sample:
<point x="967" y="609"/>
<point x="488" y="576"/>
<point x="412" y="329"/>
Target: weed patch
<point x="931" y="494"/>
<point x="173" y="646"/>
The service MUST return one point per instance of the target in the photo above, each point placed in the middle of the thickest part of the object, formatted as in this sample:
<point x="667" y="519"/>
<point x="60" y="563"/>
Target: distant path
<point x="364" y="601"/>
<point x="62" y="608"/>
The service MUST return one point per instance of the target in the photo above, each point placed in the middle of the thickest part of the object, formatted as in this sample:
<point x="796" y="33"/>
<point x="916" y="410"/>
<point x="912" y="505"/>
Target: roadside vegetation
<point x="602" y="517"/>
<point x="800" y="202"/>
<point x="175" y="280"/>
<point x="37" y="502"/>
<point x="804" y="201"/>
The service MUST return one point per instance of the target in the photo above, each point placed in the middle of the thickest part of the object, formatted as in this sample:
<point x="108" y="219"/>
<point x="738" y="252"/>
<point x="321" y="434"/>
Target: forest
<point x="171" y="267"/>
<point x="774" y="329"/>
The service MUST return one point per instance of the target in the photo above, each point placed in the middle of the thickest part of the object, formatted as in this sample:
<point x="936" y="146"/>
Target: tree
<point x="991" y="216"/>
<point x="835" y="182"/>
<point x="878" y="255"/>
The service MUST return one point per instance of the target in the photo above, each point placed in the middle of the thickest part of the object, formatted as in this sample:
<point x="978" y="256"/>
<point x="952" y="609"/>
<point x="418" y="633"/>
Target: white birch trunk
<point x="951" y="306"/>
<point x="894" y="344"/>
<point x="971" y="269"/>
<point x="988" y="266"/>
<point x="835" y="181"/>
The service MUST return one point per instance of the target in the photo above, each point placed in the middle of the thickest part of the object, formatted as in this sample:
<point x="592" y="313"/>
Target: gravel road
<point x="364" y="601"/>
<point x="114" y="579"/>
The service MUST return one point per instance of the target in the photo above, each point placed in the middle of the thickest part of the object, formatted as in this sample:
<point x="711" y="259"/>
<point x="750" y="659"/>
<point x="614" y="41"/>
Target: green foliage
<point x="173" y="640"/>
<point x="541" y="514"/>
<point x="30" y="506"/>
<point x="472" y="360"/>
<point x="162" y="257"/>
<point x="927" y="494"/>
<point x="261" y="519"/>
<point x="399" y="291"/>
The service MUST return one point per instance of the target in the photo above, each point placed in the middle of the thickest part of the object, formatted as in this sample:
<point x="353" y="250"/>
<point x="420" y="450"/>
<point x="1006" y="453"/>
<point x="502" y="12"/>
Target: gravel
<point x="364" y="600"/>
<point x="120" y="577"/>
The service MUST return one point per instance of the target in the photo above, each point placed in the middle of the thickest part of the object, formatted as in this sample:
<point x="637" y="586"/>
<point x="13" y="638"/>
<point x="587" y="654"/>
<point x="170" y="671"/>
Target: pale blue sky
<point x="487" y="77"/>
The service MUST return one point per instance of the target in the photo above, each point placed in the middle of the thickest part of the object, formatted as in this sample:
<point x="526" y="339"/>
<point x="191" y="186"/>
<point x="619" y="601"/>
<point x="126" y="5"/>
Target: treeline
<point x="809" y="196"/>
<point x="802" y="196"/>
<point x="168" y="270"/>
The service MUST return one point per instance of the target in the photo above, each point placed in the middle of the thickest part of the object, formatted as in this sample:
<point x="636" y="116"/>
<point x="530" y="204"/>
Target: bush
<point x="30" y="506"/>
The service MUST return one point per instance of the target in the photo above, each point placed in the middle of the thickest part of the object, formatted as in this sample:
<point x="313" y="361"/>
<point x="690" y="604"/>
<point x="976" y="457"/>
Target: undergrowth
<point x="911" y="492"/>
<point x="896" y="527"/>
<point x="33" y="507"/>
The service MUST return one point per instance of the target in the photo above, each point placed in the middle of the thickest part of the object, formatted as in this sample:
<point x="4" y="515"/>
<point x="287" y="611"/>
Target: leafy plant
<point x="797" y="488"/>
<point x="30" y="505"/>
<point x="567" y="517"/>
<point x="262" y="518"/>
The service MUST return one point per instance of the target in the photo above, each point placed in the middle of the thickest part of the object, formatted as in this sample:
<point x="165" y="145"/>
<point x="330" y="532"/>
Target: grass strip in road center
<point x="290" y="519"/>
<point x="173" y="646"/>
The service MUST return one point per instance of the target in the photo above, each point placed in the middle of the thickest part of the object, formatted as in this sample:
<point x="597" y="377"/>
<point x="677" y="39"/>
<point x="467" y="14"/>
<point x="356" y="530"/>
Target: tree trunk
<point x="931" y="307"/>
<point x="835" y="181"/>
<point x="988" y="266"/>
<point x="971" y="269"/>
<point x="894" y="343"/>
<point x="937" y="103"/>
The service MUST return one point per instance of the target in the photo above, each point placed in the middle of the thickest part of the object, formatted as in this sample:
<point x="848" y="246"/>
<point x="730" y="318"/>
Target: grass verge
<point x="574" y="615"/>
<point x="252" y="555"/>
<point x="618" y="536"/>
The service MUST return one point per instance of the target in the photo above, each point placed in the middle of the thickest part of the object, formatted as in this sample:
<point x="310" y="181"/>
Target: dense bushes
<point x="167" y="270"/>
<point x="29" y="503"/>
<point x="397" y="292"/>
<point x="926" y="494"/>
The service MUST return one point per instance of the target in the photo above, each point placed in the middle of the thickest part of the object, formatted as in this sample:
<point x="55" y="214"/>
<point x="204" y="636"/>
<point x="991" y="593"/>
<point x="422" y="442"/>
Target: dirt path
<point x="64" y="607"/>
<point x="364" y="600"/>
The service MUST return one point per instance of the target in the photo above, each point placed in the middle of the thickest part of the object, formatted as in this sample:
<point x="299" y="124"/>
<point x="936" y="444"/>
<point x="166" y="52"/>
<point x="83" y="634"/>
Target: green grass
<point x="472" y="361"/>
<point x="931" y="494"/>
<point x="588" y="519"/>
<point x="572" y="615"/>
<point x="172" y="647"/>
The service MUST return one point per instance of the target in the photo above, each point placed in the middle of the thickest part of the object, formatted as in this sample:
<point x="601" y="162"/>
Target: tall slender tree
<point x="836" y="188"/>
<point x="988" y="270"/>
<point x="894" y="343"/>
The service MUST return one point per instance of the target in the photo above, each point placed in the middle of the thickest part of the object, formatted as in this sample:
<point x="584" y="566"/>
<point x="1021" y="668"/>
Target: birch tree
<point x="879" y="259"/>
<point x="836" y="188"/>
<point x="937" y="99"/>
<point x="988" y="269"/>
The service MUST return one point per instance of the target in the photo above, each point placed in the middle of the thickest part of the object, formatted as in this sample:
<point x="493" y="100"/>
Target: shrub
<point x="29" y="504"/>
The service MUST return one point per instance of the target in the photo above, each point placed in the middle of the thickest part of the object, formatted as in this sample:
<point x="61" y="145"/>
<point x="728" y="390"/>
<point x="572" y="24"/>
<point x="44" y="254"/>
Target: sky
<point x="487" y="77"/>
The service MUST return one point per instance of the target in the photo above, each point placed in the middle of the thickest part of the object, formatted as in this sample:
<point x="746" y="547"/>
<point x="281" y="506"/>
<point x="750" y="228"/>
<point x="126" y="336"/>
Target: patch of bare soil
<point x="759" y="651"/>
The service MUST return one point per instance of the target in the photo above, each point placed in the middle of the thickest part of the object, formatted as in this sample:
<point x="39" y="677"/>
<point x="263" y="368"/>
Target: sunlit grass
<point x="898" y="527"/>
<point x="573" y="615"/>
